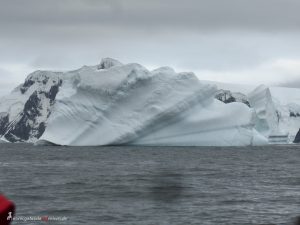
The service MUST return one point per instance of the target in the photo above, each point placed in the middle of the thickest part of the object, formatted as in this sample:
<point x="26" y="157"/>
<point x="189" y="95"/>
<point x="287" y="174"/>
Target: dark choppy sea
<point x="153" y="186"/>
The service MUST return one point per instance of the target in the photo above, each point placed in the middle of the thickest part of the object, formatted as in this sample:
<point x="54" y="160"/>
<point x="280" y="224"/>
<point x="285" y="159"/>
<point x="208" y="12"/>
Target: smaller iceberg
<point x="267" y="116"/>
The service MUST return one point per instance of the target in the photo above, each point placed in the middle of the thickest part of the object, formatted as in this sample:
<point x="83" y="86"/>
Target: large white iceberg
<point x="115" y="104"/>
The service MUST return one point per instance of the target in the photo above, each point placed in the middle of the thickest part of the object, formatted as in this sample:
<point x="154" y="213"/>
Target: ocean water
<point x="153" y="185"/>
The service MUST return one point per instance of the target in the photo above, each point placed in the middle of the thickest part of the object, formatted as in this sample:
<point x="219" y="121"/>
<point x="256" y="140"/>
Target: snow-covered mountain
<point x="23" y="114"/>
<point x="116" y="104"/>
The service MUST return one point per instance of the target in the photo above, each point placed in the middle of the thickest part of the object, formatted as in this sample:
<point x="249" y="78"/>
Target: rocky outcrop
<point x="229" y="97"/>
<point x="294" y="110"/>
<point x="4" y="120"/>
<point x="297" y="138"/>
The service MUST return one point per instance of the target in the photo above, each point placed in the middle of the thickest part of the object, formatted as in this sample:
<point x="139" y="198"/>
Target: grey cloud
<point x="189" y="14"/>
<point x="194" y="35"/>
<point x="8" y="81"/>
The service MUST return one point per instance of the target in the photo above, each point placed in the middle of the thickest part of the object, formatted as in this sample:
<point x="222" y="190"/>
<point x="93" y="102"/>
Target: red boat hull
<point x="7" y="208"/>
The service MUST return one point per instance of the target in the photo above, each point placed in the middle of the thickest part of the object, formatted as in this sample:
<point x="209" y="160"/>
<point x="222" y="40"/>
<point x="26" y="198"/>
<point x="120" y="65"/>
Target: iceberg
<point x="277" y="108"/>
<point x="267" y="117"/>
<point x="126" y="104"/>
<point x="116" y="104"/>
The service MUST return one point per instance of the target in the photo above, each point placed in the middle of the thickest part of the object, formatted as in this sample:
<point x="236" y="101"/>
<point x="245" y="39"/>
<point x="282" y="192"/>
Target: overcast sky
<point x="242" y="41"/>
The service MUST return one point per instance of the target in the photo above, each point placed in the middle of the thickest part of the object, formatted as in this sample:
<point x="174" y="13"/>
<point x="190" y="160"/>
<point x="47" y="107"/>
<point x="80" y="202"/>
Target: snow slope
<point x="115" y="104"/>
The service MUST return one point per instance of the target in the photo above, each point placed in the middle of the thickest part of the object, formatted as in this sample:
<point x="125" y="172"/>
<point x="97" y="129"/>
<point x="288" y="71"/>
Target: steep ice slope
<point x="127" y="104"/>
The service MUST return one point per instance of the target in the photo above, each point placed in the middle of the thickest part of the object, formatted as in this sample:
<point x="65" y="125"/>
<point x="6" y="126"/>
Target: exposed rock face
<point x="4" y="120"/>
<point x="294" y="110"/>
<point x="35" y="99"/>
<point x="297" y="138"/>
<point x="293" y="114"/>
<point x="228" y="97"/>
